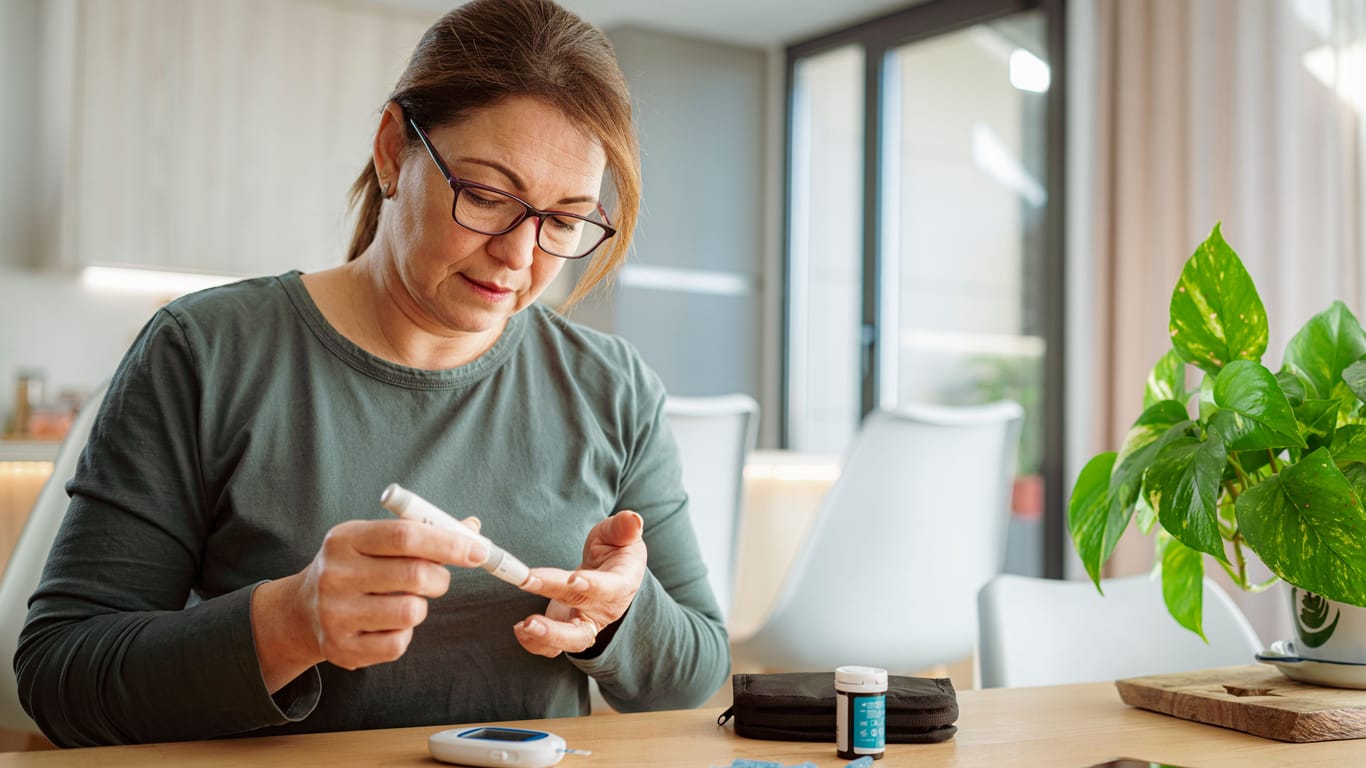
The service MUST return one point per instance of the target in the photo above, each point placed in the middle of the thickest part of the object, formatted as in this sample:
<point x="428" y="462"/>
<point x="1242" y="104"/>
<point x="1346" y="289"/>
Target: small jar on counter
<point x="28" y="395"/>
<point x="860" y="712"/>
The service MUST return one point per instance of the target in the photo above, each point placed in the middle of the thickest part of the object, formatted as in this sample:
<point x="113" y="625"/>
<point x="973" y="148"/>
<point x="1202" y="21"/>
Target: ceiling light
<point x="131" y="280"/>
<point x="1028" y="72"/>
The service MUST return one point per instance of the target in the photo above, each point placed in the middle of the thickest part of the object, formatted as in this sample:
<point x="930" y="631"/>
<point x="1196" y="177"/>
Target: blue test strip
<point x="745" y="763"/>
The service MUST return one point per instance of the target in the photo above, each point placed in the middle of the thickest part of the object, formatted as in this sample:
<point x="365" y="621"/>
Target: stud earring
<point x="387" y="188"/>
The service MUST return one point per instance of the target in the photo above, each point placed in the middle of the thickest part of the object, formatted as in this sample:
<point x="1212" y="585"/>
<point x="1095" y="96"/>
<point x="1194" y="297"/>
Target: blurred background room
<point x="848" y="206"/>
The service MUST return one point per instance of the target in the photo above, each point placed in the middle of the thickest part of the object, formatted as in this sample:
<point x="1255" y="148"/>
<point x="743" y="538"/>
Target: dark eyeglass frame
<point x="457" y="184"/>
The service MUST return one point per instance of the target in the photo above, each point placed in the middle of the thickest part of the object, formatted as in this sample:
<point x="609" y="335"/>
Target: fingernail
<point x="578" y="583"/>
<point x="535" y="628"/>
<point x="480" y="551"/>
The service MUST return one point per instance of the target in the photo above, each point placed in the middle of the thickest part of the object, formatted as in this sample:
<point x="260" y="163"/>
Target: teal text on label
<point x="870" y="731"/>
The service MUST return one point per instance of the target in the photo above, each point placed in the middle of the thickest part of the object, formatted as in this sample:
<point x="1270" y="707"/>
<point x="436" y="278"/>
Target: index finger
<point x="570" y="587"/>
<point x="408" y="538"/>
<point x="548" y="582"/>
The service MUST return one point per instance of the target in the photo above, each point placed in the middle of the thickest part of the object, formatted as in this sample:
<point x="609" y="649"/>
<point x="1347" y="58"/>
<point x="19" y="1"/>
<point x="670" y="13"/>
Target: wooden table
<point x="1068" y="726"/>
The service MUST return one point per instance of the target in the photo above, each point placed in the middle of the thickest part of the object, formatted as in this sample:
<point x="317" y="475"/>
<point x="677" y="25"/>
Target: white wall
<point x="74" y="334"/>
<point x="691" y="296"/>
<point x="47" y="319"/>
<point x="20" y="27"/>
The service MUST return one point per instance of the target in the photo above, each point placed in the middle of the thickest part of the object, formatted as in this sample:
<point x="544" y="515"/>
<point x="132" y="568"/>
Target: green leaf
<point x="1354" y="376"/>
<point x="1356" y="477"/>
<point x="1308" y="525"/>
<point x="1088" y="512"/>
<point x="1183" y="587"/>
<point x="1207" y="406"/>
<point x="1183" y="486"/>
<point x="1349" y="444"/>
<point x="1158" y="426"/>
<point x="1129" y="479"/>
<point x="1293" y="387"/>
<point x="1318" y="421"/>
<point x="1250" y="461"/>
<point x="1216" y="315"/>
<point x="1323" y="349"/>
<point x="1145" y="517"/>
<point x="1166" y="381"/>
<point x="1262" y="417"/>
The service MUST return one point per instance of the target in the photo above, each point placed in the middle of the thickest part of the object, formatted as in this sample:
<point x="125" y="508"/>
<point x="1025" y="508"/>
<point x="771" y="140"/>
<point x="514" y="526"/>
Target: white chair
<point x="714" y="436"/>
<point x="30" y="553"/>
<point x="1049" y="632"/>
<point x="913" y="527"/>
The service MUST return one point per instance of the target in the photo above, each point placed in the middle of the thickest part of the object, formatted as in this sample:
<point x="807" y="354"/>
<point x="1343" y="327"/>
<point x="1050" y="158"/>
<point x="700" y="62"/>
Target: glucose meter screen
<point x="501" y="734"/>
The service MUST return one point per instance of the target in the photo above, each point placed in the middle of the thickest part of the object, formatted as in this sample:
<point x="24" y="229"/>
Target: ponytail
<point x="365" y="199"/>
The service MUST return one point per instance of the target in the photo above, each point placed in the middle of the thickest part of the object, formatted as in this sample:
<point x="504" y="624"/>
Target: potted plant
<point x="1014" y="376"/>
<point x="1249" y="460"/>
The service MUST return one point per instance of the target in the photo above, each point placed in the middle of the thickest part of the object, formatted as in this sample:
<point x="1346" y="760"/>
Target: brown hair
<point x="487" y="50"/>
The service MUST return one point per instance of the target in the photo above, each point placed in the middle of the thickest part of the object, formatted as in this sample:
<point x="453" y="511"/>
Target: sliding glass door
<point x="826" y="251"/>
<point x="924" y="239"/>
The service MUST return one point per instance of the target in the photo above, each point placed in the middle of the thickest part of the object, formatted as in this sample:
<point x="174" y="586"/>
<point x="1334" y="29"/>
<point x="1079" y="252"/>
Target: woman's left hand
<point x="584" y="601"/>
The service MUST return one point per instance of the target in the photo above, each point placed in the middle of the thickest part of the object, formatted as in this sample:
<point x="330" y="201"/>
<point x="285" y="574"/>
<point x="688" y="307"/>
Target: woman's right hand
<point x="357" y="602"/>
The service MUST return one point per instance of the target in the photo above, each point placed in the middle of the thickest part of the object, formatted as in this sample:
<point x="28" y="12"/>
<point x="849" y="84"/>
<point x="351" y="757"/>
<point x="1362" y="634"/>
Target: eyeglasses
<point x="491" y="211"/>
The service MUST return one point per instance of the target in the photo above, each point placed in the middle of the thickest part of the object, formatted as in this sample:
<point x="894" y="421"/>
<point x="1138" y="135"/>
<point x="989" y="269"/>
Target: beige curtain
<point x="1247" y="112"/>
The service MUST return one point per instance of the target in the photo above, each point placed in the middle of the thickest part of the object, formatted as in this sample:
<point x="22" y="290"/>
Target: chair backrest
<point x="908" y="534"/>
<point x="1049" y="632"/>
<point x="30" y="553"/>
<point x="714" y="436"/>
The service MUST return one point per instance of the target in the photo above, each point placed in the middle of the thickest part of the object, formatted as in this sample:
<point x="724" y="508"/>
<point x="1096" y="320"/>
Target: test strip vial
<point x="860" y="712"/>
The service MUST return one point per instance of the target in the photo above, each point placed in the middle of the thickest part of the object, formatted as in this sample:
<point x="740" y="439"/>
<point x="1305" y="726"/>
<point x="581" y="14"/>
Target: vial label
<point x="869" y="716"/>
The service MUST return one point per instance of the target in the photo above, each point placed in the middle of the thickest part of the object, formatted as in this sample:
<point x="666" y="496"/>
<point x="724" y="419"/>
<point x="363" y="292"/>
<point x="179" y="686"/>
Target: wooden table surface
<point x="1070" y="726"/>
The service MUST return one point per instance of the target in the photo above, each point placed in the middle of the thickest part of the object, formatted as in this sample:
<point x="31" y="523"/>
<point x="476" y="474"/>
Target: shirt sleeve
<point x="110" y="652"/>
<point x="671" y="650"/>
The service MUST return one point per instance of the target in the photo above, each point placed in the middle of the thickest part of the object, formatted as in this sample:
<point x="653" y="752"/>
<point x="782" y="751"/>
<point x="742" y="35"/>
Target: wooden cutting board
<point x="1255" y="699"/>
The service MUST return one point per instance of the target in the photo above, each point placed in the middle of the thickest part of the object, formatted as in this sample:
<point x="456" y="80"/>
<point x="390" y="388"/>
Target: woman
<point x="224" y="565"/>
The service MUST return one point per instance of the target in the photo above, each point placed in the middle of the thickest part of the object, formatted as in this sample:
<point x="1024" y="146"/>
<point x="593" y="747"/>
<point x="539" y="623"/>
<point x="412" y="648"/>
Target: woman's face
<point x="462" y="282"/>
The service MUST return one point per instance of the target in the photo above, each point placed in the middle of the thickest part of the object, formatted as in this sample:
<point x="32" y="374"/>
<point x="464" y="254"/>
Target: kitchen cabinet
<point x="222" y="136"/>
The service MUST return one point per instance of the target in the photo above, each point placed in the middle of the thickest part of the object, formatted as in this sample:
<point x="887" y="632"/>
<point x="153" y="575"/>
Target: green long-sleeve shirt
<point x="241" y="426"/>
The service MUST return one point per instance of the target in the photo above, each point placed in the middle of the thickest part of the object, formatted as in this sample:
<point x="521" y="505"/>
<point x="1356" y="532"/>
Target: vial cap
<point x="861" y="677"/>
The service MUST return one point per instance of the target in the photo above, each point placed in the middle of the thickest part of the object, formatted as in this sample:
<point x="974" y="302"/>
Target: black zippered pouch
<point x="800" y="706"/>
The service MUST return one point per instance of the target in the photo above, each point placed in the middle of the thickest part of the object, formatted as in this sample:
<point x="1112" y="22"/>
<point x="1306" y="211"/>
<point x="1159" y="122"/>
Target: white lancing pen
<point x="410" y="506"/>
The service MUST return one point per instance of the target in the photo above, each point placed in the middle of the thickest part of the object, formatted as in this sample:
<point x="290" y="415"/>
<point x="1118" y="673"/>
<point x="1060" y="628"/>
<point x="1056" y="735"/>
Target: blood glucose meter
<point x="493" y="746"/>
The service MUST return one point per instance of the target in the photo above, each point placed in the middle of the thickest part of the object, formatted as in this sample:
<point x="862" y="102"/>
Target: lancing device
<point x="410" y="506"/>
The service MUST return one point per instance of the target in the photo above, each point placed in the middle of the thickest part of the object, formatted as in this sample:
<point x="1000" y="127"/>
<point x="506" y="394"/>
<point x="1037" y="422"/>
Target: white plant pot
<point x="1327" y="630"/>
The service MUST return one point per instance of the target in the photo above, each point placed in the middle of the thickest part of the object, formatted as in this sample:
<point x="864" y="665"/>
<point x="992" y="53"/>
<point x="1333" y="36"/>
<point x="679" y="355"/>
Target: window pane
<point x="826" y="250"/>
<point x="964" y="205"/>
